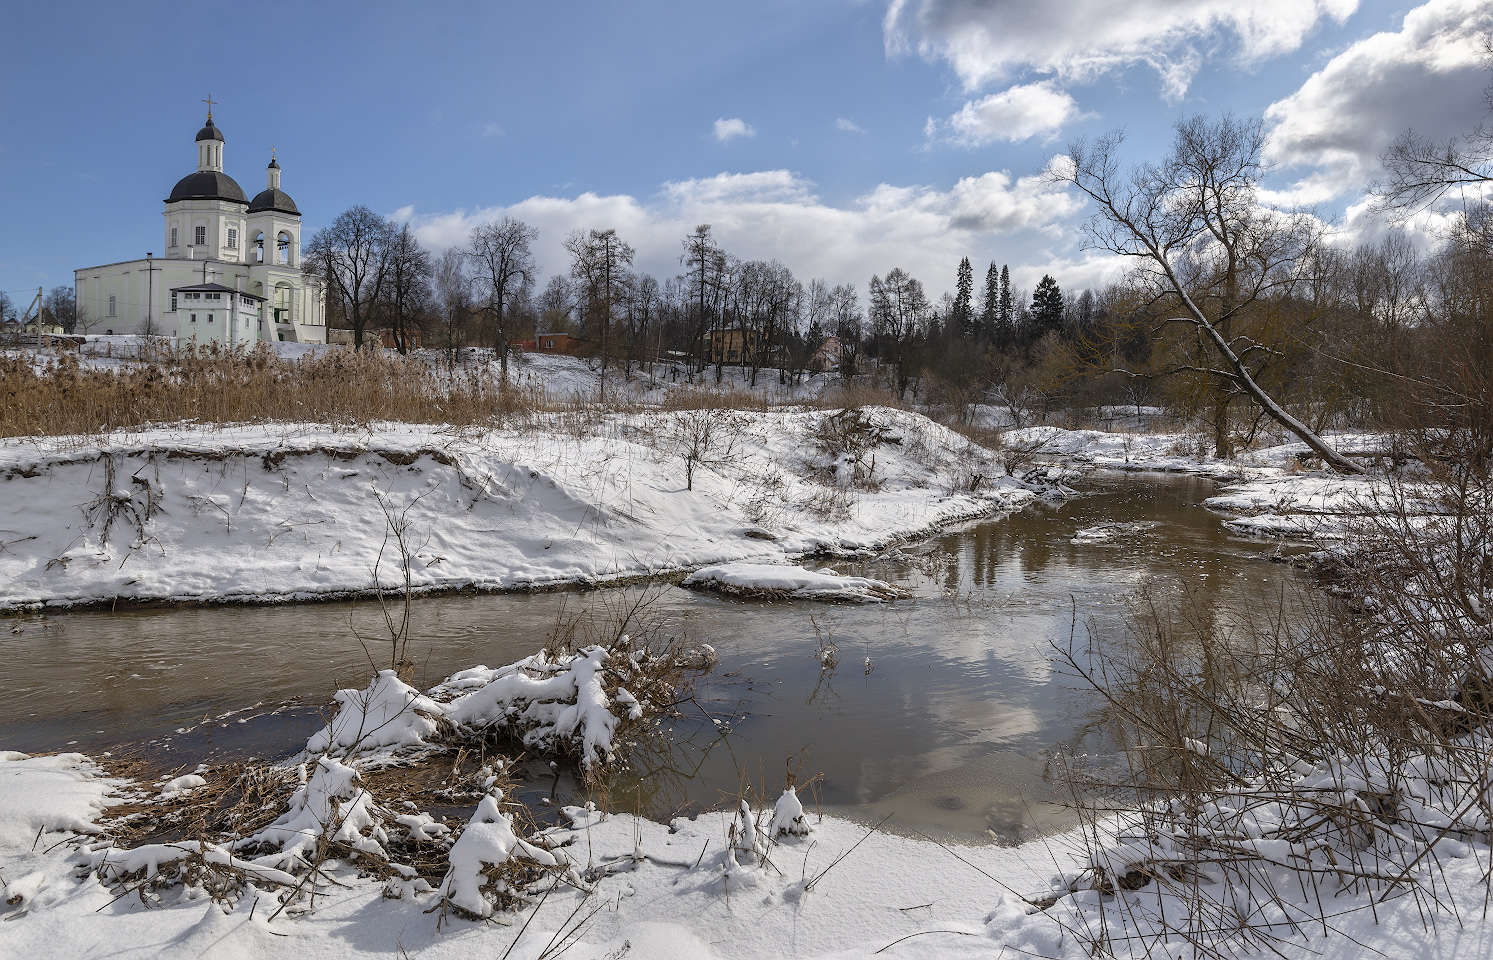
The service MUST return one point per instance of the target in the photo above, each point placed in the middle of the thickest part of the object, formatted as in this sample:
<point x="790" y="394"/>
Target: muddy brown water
<point x="941" y="710"/>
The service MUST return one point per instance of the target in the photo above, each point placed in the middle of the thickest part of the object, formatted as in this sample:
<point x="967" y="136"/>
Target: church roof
<point x="209" y="132"/>
<point x="274" y="199"/>
<point x="207" y="185"/>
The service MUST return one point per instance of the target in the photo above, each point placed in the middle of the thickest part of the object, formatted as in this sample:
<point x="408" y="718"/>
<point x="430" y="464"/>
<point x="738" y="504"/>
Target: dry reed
<point x="46" y="395"/>
<point x="61" y="396"/>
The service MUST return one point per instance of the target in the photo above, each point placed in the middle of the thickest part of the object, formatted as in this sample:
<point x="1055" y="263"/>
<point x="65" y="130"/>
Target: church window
<point x="173" y="237"/>
<point x="284" y="248"/>
<point x="232" y="239"/>
<point x="111" y="306"/>
<point x="259" y="248"/>
<point x="173" y="301"/>
<point x="200" y="236"/>
<point x="209" y="318"/>
<point x="194" y="318"/>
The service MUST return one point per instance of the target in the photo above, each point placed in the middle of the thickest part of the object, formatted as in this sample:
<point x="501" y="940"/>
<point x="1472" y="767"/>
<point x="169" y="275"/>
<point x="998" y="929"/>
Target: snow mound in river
<point x="775" y="580"/>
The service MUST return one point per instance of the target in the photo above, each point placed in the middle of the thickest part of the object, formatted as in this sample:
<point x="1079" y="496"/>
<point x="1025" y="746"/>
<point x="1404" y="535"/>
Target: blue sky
<point x="856" y="136"/>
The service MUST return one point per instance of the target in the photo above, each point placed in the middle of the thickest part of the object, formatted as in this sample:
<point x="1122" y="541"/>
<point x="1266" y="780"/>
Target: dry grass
<point x="43" y="395"/>
<point x="238" y="800"/>
<point x="341" y="387"/>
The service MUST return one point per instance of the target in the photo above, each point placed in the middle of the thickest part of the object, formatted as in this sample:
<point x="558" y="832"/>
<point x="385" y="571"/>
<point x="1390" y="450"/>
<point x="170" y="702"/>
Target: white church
<point x="231" y="272"/>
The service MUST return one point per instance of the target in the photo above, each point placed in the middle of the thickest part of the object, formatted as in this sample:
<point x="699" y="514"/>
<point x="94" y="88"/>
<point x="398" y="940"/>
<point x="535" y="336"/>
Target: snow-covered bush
<point x="490" y="864"/>
<point x="570" y="704"/>
<point x="848" y="440"/>
<point x="329" y="807"/>
<point x="388" y="713"/>
<point x="348" y="799"/>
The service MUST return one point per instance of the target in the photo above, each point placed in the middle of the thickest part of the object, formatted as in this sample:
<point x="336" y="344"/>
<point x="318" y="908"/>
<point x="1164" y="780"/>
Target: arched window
<point x="282" y="303"/>
<point x="283" y="245"/>
<point x="232" y="238"/>
<point x="259" y="247"/>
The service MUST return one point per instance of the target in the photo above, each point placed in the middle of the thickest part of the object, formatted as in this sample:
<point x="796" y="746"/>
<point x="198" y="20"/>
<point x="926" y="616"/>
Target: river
<point x="941" y="711"/>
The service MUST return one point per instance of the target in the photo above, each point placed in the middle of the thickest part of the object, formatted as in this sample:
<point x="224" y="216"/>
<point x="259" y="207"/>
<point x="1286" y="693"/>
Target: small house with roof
<point x="231" y="271"/>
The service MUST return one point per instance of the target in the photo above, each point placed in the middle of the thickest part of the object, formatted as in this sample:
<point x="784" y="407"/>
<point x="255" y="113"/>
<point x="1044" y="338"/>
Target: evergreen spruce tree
<point x="990" y="318"/>
<point x="961" y="319"/>
<point x="1006" y="321"/>
<point x="1047" y="308"/>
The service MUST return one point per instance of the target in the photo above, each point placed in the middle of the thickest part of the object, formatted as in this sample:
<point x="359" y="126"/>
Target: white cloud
<point x="849" y="126"/>
<point x="490" y="129"/>
<point x="1428" y="75"/>
<point x="1015" y="114"/>
<point x="734" y="127"/>
<point x="774" y="214"/>
<point x="988" y="41"/>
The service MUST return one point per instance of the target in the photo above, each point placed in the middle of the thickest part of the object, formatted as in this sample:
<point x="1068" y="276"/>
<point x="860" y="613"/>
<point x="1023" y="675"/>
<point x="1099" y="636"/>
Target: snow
<point x="183" y="784"/>
<point x="680" y="890"/>
<point x="287" y="511"/>
<point x="789" y="581"/>
<point x="63" y="792"/>
<point x="1105" y="532"/>
<point x="788" y="816"/>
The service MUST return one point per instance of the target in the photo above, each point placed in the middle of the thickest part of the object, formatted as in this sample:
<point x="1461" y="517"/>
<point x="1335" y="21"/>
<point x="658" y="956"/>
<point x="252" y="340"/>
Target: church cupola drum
<point x="231" y="272"/>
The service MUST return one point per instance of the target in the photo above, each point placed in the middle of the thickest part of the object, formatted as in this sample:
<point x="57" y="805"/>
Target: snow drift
<point x="290" y="512"/>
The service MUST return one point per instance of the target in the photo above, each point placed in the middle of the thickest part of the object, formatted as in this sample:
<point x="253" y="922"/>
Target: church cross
<point x="272" y="151"/>
<point x="209" y="102"/>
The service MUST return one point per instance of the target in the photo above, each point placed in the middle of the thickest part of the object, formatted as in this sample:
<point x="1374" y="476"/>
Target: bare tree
<point x="353" y="257"/>
<point x="642" y="313"/>
<point x="408" y="286"/>
<point x="1195" y="229"/>
<point x="599" y="259"/>
<point x="85" y="321"/>
<point x="502" y="262"/>
<point x="61" y="305"/>
<point x="700" y="251"/>
<point x="1419" y="171"/>
<point x="556" y="303"/>
<point x="453" y="296"/>
<point x="845" y="319"/>
<point x="899" y="311"/>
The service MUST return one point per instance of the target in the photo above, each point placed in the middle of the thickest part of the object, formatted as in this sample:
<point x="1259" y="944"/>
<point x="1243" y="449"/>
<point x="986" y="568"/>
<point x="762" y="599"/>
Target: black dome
<point x="208" y="185"/>
<point x="273" y="199"/>
<point x="209" y="132"/>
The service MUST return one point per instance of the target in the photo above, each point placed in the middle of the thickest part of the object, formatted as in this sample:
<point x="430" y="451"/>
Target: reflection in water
<point x="949" y="730"/>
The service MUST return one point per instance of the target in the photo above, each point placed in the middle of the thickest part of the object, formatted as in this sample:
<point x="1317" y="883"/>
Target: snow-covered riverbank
<point x="283" y="512"/>
<point x="689" y="889"/>
<point x="1273" y="491"/>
